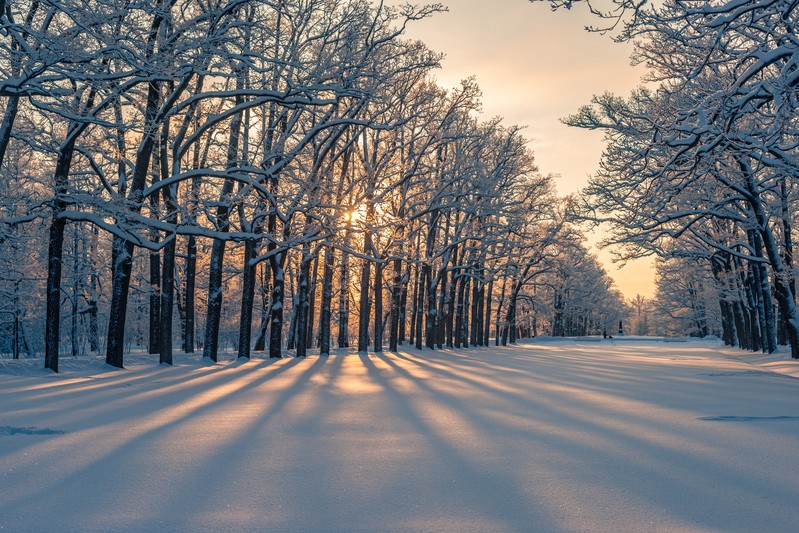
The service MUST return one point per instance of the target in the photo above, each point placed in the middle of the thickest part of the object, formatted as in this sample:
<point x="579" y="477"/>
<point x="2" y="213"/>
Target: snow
<point x="545" y="436"/>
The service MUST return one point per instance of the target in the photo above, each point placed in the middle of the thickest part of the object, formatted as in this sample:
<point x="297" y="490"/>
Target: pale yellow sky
<point x="535" y="67"/>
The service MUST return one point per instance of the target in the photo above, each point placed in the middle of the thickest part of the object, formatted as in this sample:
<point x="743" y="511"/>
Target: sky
<point x="534" y="68"/>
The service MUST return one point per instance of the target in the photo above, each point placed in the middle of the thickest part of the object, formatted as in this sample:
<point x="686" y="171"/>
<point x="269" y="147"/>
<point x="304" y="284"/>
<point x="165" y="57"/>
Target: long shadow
<point x="493" y="405"/>
<point x="527" y="514"/>
<point x="650" y="462"/>
<point x="137" y="386"/>
<point x="161" y="399"/>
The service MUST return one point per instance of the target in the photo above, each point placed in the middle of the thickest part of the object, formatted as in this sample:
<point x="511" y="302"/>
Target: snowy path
<point x="559" y="436"/>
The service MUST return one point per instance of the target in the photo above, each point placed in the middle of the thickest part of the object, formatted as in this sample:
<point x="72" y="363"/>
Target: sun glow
<point x="358" y="214"/>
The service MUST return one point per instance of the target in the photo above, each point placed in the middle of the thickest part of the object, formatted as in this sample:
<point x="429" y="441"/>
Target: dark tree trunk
<point x="443" y="306"/>
<point x="291" y="343"/>
<point x="414" y="301"/>
<point x="500" y="305"/>
<point x="344" y="299"/>
<point x="452" y="297"/>
<point x="122" y="260"/>
<point x="403" y="306"/>
<point x="122" y="254"/>
<point x="764" y="298"/>
<point x="510" y="335"/>
<point x="325" y="313"/>
<point x="460" y="281"/>
<point x="396" y="307"/>
<point x="52" y="331"/>
<point x="378" y="290"/>
<point x="303" y="287"/>
<point x="364" y="307"/>
<point x="213" y="315"/>
<point x="309" y="337"/>
<point x="167" y="302"/>
<point x="487" y="313"/>
<point x="785" y="297"/>
<point x="431" y="318"/>
<point x="168" y="272"/>
<point x="480" y="311"/>
<point x="277" y="263"/>
<point x="475" y="319"/>
<point x="419" y="306"/>
<point x="247" y="299"/>
<point x="7" y="125"/>
<point x="191" y="275"/>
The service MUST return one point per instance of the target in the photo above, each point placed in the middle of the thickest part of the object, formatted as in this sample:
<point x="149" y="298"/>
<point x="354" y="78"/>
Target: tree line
<point x="270" y="176"/>
<point x="701" y="161"/>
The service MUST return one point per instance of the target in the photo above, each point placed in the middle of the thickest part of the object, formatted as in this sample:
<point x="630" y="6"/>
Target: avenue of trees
<point x="701" y="162"/>
<point x="268" y="175"/>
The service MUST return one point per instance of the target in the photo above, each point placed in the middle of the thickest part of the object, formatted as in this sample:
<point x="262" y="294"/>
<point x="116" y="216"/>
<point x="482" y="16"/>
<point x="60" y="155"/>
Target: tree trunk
<point x="52" y="332"/>
<point x="475" y="305"/>
<point x="510" y="335"/>
<point x="344" y="298"/>
<point x="277" y="263"/>
<point x="406" y="278"/>
<point x="785" y="297"/>
<point x="154" y="343"/>
<point x="378" y="290"/>
<point x="309" y="337"/>
<point x="480" y="311"/>
<point x="191" y="275"/>
<point x="303" y="288"/>
<point x="216" y="263"/>
<point x="443" y="306"/>
<point x="764" y="298"/>
<point x="213" y="315"/>
<point x="460" y="281"/>
<point x="167" y="301"/>
<point x="122" y="259"/>
<point x="419" y="307"/>
<point x="396" y="306"/>
<point x="414" y="301"/>
<point x="487" y="313"/>
<point x="291" y="343"/>
<point x="364" y="307"/>
<point x="7" y="125"/>
<point x="265" y="291"/>
<point x="431" y="318"/>
<point x="247" y="299"/>
<point x="325" y="312"/>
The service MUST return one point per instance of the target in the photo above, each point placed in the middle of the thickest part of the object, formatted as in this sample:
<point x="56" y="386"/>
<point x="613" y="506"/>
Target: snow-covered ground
<point x="547" y="436"/>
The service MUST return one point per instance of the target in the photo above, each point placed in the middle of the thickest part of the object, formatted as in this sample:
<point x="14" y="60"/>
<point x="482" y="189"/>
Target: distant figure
<point x="604" y="334"/>
<point x="621" y="330"/>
